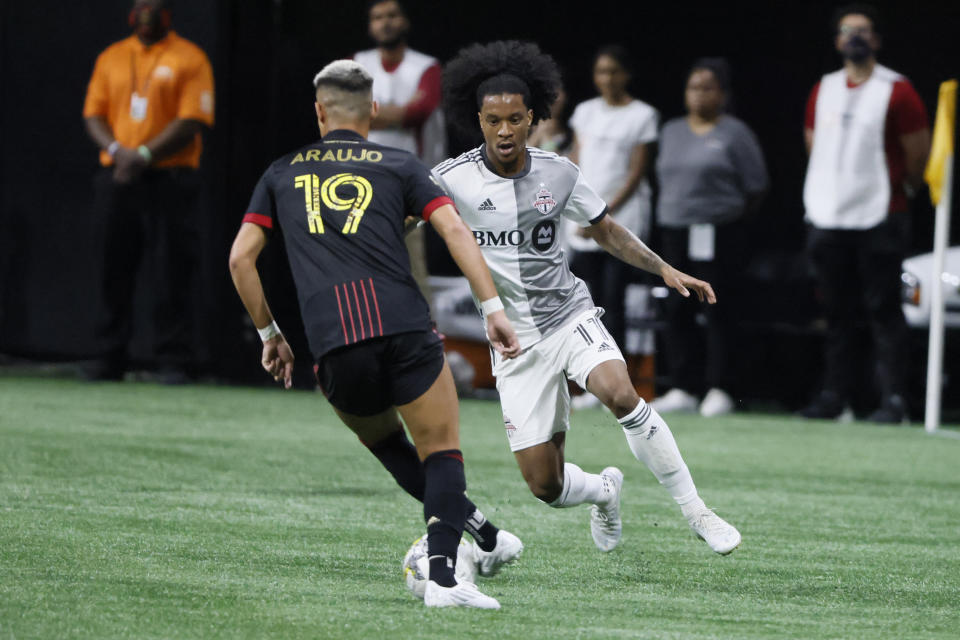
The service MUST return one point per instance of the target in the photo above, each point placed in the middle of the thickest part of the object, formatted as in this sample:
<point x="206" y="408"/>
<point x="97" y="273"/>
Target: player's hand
<point x="128" y="164"/>
<point x="277" y="360"/>
<point x="502" y="336"/>
<point x="684" y="284"/>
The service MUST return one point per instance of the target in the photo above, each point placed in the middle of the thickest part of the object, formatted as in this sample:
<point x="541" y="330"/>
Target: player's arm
<point x="464" y="251"/>
<point x="277" y="358"/>
<point x="621" y="243"/>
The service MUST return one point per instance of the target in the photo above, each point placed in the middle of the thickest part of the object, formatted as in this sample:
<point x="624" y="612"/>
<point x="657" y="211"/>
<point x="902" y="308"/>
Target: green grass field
<point x="138" y="511"/>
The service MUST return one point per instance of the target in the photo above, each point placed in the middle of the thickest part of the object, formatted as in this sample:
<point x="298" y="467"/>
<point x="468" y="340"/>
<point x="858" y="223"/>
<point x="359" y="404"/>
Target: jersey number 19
<point x="314" y="193"/>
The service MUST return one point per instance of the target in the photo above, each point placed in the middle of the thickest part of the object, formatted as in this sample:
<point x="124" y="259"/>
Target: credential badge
<point x="544" y="202"/>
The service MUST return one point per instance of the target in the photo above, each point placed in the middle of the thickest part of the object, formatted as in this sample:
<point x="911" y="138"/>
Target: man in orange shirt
<point x="148" y="100"/>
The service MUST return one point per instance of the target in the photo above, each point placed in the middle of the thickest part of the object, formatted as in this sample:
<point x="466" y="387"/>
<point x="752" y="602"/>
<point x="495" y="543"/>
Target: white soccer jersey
<point x="516" y="221"/>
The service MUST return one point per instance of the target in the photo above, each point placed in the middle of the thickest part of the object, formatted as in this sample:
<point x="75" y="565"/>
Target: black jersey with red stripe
<point x="340" y="204"/>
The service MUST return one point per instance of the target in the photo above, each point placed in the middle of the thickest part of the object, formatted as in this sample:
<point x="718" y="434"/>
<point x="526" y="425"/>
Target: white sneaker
<point x="463" y="594"/>
<point x="605" y="523"/>
<point x="717" y="402"/>
<point x="585" y="401"/>
<point x="507" y="550"/>
<point x="715" y="531"/>
<point x="675" y="400"/>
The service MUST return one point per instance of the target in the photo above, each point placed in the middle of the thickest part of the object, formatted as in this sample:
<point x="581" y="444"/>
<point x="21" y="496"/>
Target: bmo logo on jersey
<point x="512" y="238"/>
<point x="542" y="238"/>
<point x="543" y="235"/>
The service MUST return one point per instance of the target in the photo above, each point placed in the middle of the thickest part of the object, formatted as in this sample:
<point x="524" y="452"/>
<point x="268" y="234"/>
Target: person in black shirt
<point x="340" y="204"/>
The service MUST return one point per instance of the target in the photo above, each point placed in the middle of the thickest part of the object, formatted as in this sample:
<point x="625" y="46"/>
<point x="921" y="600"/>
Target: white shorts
<point x="533" y="386"/>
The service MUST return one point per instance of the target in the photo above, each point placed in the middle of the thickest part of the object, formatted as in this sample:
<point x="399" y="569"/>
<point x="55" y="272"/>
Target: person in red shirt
<point x="149" y="98"/>
<point x="867" y="134"/>
<point x="407" y="86"/>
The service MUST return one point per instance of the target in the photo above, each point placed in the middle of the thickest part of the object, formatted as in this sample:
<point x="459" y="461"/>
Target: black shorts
<point x="371" y="376"/>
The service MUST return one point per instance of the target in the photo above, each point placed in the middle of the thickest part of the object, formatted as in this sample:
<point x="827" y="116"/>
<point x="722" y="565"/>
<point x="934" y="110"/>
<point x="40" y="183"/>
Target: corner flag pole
<point x="939" y="175"/>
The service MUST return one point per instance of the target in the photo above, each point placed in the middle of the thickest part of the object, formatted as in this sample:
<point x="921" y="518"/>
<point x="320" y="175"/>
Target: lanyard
<point x="134" y="85"/>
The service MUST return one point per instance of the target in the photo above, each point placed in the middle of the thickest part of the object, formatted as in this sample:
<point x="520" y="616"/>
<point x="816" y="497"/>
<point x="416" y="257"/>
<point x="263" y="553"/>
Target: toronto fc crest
<point x="544" y="202"/>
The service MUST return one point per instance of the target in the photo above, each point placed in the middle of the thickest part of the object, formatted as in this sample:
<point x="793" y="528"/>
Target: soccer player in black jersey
<point x="340" y="204"/>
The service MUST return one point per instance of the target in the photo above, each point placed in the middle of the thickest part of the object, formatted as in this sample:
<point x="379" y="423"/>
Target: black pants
<point x="858" y="277"/>
<point x="151" y="221"/>
<point x="606" y="277"/>
<point x="683" y="340"/>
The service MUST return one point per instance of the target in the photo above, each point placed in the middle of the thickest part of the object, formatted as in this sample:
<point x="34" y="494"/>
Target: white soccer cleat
<point x="463" y="594"/>
<point x="675" y="401"/>
<point x="509" y="547"/>
<point x="605" y="523"/>
<point x="717" y="402"/>
<point x="715" y="531"/>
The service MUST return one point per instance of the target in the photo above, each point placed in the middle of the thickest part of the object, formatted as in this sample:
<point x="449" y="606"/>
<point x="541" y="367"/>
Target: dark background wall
<point x="264" y="54"/>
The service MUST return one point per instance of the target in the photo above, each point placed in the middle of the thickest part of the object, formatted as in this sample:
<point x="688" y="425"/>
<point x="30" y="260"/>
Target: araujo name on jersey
<point x="542" y="238"/>
<point x="338" y="155"/>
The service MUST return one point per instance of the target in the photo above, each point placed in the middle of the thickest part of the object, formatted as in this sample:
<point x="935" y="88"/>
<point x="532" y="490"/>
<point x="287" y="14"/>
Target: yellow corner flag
<point x="942" y="139"/>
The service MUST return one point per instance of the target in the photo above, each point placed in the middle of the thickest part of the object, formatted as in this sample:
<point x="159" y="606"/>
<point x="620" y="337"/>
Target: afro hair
<point x="475" y="64"/>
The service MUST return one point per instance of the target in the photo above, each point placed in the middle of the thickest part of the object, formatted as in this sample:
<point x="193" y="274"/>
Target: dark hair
<point x="505" y="65"/>
<point x="618" y="53"/>
<point x="372" y="3"/>
<point x="860" y="8"/>
<point x="719" y="67"/>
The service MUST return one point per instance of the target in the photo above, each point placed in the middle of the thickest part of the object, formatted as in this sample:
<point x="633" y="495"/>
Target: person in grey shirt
<point x="711" y="171"/>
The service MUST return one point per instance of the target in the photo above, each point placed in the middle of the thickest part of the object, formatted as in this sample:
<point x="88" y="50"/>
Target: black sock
<point x="445" y="510"/>
<point x="481" y="529"/>
<point x="398" y="456"/>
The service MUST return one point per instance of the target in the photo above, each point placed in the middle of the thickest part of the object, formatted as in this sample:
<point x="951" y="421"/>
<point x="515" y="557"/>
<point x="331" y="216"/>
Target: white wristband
<point x="269" y="331"/>
<point x="492" y="305"/>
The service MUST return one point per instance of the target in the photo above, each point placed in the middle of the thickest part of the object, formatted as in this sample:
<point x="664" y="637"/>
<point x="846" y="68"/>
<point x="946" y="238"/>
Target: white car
<point x="917" y="282"/>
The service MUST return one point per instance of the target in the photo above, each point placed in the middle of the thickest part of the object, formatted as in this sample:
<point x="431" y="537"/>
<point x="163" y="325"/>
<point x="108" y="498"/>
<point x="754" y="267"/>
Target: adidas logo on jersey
<point x="487" y="205"/>
<point x="604" y="347"/>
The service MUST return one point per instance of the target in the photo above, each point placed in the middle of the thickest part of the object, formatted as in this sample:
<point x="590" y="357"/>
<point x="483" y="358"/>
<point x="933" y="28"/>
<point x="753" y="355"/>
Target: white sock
<point x="579" y="487"/>
<point x="652" y="443"/>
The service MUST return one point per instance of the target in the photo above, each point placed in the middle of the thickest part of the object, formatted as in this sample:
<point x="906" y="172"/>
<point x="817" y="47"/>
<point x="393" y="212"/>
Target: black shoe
<point x="893" y="410"/>
<point x="826" y="406"/>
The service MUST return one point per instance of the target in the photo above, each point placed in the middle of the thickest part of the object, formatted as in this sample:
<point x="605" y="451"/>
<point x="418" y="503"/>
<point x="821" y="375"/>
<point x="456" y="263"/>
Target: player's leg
<point x="352" y="379"/>
<point x="359" y="382"/>
<point x="433" y="421"/>
<point x="653" y="444"/>
<point x="536" y="408"/>
<point x="385" y="438"/>
<point x="419" y="373"/>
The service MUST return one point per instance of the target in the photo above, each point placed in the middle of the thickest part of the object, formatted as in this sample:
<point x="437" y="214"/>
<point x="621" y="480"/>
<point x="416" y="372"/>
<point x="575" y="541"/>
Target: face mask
<point x="857" y="49"/>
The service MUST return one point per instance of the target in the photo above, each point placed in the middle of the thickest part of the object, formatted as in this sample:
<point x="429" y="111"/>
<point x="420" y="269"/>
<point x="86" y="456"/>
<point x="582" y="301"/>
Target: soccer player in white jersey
<point x="514" y="198"/>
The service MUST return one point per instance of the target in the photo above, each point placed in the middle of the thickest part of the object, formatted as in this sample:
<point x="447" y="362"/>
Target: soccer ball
<point x="416" y="565"/>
